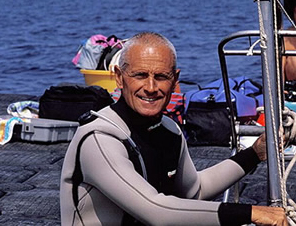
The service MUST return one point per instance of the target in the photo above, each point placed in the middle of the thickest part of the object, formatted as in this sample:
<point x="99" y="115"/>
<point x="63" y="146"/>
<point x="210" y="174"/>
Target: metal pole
<point x="233" y="141"/>
<point x="270" y="104"/>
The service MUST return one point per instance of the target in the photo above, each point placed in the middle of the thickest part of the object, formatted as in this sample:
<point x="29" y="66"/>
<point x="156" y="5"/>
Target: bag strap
<point x="108" y="39"/>
<point x="205" y="88"/>
<point x="112" y="36"/>
<point x="101" y="41"/>
<point x="256" y="84"/>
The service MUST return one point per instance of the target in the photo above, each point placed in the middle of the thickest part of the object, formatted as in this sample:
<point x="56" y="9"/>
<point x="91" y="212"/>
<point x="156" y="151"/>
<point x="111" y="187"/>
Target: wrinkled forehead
<point x="150" y="54"/>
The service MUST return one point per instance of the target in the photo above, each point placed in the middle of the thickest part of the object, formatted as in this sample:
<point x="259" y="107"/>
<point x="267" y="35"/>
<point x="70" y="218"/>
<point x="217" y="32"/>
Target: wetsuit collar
<point x="133" y="118"/>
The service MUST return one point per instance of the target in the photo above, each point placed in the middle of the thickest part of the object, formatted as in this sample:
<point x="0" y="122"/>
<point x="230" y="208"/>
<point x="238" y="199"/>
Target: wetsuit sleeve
<point x="247" y="159"/>
<point x="105" y="166"/>
<point x="207" y="183"/>
<point x="232" y="214"/>
<point x="238" y="214"/>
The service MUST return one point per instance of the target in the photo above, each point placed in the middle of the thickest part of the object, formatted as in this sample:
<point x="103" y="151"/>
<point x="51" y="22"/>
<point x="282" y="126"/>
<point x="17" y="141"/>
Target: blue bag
<point x="206" y="116"/>
<point x="245" y="93"/>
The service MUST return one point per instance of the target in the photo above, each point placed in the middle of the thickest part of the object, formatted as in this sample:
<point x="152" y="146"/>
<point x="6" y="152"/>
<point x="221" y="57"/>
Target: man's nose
<point x="150" y="84"/>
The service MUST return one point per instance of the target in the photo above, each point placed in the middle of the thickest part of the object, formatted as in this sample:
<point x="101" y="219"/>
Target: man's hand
<point x="260" y="144"/>
<point x="260" y="147"/>
<point x="265" y="215"/>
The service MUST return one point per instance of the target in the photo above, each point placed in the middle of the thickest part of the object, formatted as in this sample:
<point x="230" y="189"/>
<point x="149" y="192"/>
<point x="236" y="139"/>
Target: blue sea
<point x="39" y="38"/>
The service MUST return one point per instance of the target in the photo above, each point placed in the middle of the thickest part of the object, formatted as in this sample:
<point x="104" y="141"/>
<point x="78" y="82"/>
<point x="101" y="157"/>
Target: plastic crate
<point x="47" y="130"/>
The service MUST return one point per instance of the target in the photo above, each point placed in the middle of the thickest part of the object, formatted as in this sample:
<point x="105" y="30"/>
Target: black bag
<point x="207" y="124"/>
<point x="69" y="101"/>
<point x="206" y="116"/>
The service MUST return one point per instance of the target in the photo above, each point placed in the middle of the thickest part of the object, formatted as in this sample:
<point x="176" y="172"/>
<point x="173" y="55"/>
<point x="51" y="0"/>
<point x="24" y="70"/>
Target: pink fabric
<point x="93" y="40"/>
<point x="76" y="58"/>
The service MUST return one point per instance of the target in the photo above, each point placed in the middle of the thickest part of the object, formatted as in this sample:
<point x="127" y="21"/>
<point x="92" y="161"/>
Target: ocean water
<point x="39" y="38"/>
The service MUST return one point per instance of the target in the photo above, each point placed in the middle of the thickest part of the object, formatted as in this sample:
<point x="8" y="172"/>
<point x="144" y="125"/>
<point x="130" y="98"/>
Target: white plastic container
<point x="47" y="130"/>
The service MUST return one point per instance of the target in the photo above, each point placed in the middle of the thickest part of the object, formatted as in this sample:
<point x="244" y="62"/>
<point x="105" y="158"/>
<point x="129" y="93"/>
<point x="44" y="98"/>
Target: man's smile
<point x="149" y="99"/>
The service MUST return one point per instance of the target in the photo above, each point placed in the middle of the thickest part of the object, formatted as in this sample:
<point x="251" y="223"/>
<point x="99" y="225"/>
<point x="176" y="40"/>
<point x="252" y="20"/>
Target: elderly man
<point x="131" y="166"/>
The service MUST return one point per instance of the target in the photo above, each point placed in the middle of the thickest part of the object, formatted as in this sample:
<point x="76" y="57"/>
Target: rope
<point x="281" y="162"/>
<point x="290" y="133"/>
<point x="250" y="51"/>
<point x="290" y="128"/>
<point x="263" y="45"/>
<point x="289" y="125"/>
<point x="289" y="168"/>
<point x="289" y="121"/>
<point x="291" y="202"/>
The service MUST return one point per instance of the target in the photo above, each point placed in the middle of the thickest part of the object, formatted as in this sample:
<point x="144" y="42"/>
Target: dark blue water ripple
<point x="40" y="38"/>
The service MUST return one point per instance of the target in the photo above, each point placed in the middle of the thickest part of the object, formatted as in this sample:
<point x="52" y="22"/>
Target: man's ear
<point x="118" y="77"/>
<point x="176" y="86"/>
<point x="177" y="74"/>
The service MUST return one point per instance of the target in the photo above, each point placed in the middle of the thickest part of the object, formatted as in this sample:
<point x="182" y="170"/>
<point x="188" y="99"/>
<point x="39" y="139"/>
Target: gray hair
<point x="151" y="38"/>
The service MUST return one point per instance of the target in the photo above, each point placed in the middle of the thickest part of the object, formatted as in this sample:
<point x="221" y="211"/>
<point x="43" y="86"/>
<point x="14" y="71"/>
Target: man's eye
<point x="140" y="75"/>
<point x="162" y="77"/>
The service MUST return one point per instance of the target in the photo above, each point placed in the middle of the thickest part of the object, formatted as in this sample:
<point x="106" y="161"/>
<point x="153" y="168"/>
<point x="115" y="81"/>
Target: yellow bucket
<point x="105" y="79"/>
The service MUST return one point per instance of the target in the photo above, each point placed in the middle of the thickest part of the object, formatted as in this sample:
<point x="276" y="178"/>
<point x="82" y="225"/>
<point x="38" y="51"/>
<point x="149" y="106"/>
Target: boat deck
<point x="30" y="176"/>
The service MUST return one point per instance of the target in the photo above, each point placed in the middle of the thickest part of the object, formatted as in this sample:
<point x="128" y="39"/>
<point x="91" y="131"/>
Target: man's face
<point x="148" y="80"/>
